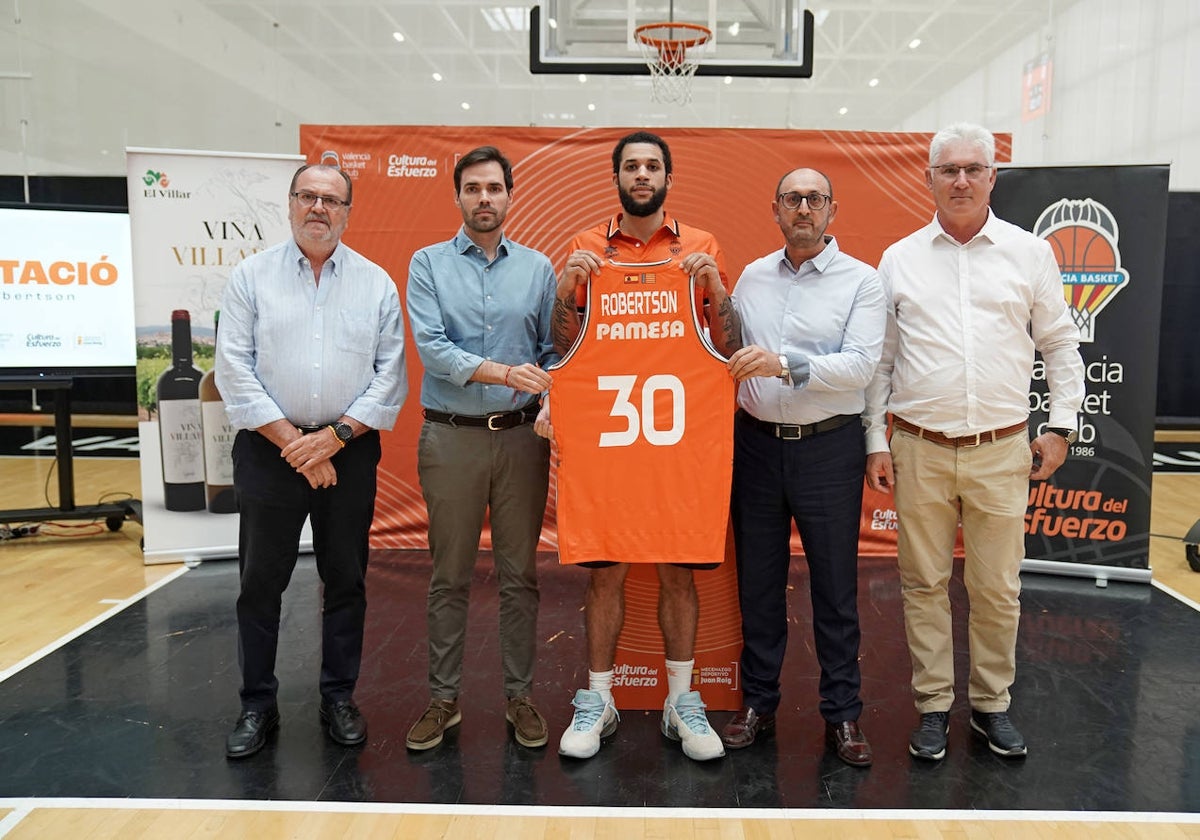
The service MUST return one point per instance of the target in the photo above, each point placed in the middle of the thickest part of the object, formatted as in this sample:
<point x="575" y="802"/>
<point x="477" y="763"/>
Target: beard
<point x="642" y="208"/>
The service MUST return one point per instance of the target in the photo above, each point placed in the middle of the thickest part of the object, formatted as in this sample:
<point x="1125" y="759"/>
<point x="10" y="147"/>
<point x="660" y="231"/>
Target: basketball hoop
<point x="672" y="52"/>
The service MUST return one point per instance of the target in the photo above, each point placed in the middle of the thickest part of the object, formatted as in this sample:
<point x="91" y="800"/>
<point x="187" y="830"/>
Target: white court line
<point x="95" y="622"/>
<point x="12" y="820"/>
<point x="1179" y="596"/>
<point x="554" y="811"/>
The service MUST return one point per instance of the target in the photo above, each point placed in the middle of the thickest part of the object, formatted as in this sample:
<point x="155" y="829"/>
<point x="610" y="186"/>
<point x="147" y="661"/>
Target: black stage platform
<point x="1108" y="696"/>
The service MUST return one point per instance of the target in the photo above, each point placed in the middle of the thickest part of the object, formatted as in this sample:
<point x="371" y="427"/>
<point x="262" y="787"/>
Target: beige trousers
<point x="986" y="487"/>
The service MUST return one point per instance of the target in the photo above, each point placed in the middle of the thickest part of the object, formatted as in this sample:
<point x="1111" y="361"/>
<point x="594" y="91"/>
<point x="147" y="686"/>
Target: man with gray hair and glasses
<point x="970" y="299"/>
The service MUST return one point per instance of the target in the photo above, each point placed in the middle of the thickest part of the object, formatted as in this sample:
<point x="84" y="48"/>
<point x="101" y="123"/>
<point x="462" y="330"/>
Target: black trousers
<point x="816" y="481"/>
<point x="274" y="500"/>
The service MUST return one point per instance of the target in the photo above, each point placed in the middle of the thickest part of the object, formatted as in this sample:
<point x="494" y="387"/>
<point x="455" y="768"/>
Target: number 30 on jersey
<point x="625" y="406"/>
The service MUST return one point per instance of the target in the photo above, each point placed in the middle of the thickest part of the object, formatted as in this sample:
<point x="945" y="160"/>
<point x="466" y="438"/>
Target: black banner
<point x="1107" y="226"/>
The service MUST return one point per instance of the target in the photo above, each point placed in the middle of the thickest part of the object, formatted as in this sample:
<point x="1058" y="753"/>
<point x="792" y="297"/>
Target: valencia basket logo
<point x="1083" y="234"/>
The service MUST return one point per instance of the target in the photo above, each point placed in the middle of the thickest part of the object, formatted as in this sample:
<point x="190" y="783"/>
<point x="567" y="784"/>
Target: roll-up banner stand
<point x="1107" y="226"/>
<point x="193" y="217"/>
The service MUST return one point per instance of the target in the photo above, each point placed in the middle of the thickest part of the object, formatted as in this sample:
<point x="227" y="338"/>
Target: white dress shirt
<point x="827" y="316"/>
<point x="963" y="323"/>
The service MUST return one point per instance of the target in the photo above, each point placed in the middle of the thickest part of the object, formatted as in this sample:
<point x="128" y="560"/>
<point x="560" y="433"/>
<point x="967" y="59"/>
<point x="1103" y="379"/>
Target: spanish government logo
<point x="1083" y="234"/>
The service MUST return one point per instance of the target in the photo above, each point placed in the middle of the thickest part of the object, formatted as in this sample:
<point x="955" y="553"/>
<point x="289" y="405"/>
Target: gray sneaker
<point x="928" y="740"/>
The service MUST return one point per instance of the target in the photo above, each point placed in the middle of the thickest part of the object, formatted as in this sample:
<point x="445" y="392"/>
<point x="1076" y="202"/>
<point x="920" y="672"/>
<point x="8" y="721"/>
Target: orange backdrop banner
<point x="724" y="181"/>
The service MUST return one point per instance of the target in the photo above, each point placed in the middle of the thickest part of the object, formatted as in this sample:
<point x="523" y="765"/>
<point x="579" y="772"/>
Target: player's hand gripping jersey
<point x="642" y="408"/>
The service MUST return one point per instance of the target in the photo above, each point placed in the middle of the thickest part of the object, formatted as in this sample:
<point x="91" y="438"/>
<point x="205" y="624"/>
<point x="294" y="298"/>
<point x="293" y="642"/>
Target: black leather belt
<point x="789" y="431"/>
<point x="308" y="430"/>
<point x="497" y="421"/>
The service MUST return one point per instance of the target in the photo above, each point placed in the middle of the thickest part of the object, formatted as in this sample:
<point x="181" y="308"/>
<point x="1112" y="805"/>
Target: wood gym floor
<point x="118" y="683"/>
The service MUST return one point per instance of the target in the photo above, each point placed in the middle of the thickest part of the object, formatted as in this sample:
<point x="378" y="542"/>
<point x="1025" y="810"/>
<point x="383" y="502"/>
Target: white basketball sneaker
<point x="687" y="723"/>
<point x="594" y="719"/>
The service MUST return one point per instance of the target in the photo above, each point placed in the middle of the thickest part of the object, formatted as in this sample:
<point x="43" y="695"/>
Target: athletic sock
<point x="679" y="679"/>
<point x="602" y="683"/>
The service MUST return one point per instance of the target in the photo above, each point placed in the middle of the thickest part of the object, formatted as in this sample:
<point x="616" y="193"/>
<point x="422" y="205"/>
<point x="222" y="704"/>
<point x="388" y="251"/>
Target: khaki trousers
<point x="986" y="487"/>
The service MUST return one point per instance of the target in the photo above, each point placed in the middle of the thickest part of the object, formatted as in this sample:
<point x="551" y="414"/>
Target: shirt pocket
<point x="356" y="333"/>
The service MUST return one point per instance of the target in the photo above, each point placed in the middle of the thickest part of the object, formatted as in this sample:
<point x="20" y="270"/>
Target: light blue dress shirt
<point x="290" y="348"/>
<point x="465" y="310"/>
<point x="828" y="317"/>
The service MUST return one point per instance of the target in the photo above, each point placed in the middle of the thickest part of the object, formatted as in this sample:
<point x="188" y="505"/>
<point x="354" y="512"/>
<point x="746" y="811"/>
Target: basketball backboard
<point x="762" y="38"/>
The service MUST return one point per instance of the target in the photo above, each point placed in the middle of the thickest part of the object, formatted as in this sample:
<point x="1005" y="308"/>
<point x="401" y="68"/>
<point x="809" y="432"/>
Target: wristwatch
<point x="342" y="432"/>
<point x="785" y="372"/>
<point x="1070" y="434"/>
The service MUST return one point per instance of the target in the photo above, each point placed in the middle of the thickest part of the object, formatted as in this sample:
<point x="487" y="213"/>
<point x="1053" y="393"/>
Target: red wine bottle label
<point x="218" y="444"/>
<point x="179" y="426"/>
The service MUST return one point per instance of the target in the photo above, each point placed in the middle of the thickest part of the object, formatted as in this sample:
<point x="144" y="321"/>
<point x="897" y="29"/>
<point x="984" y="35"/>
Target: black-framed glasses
<point x="791" y="200"/>
<point x="973" y="171"/>
<point x="308" y="199"/>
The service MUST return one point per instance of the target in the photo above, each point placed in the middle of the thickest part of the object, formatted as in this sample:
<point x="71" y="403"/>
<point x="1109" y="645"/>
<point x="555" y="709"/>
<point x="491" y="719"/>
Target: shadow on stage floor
<point x="1107" y="695"/>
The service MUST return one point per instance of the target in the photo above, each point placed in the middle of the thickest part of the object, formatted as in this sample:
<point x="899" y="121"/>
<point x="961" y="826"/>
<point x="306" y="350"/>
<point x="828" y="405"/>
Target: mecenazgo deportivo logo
<point x="1083" y="234"/>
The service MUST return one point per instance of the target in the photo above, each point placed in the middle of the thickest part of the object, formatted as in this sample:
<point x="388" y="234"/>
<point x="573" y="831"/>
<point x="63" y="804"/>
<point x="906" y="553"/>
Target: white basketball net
<point x="672" y="60"/>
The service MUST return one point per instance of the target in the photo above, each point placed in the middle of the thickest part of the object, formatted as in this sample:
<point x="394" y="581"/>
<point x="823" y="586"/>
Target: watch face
<point x="343" y="431"/>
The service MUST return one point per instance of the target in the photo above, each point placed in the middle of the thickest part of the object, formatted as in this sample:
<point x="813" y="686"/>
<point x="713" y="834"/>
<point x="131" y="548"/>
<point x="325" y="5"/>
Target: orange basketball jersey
<point x="642" y="408"/>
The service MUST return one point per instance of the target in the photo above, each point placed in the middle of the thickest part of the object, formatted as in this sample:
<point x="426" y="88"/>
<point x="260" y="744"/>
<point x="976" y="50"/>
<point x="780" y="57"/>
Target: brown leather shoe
<point x="745" y="727"/>
<point x="529" y="727"/>
<point x="850" y="743"/>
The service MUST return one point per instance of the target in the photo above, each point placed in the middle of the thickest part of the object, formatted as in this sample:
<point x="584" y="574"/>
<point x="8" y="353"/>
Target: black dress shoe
<point x="1002" y="737"/>
<point x="250" y="732"/>
<point x="928" y="740"/>
<point x="347" y="726"/>
<point x="745" y="726"/>
<point x="850" y="743"/>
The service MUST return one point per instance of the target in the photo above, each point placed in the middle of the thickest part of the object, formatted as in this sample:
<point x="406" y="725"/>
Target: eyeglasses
<point x="973" y="171"/>
<point x="791" y="200"/>
<point x="308" y="199"/>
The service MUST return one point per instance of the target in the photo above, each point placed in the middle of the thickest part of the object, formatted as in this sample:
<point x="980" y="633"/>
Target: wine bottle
<point x="179" y="427"/>
<point x="218" y="441"/>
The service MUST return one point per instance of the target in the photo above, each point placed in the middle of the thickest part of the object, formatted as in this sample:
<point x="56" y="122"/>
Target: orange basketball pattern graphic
<point x="1083" y="235"/>
<point x="403" y="201"/>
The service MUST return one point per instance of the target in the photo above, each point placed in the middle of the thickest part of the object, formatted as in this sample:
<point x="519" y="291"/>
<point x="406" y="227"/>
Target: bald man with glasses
<point x="812" y="327"/>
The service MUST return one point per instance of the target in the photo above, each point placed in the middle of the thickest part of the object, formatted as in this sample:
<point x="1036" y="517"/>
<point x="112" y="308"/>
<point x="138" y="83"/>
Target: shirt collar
<point x="670" y="225"/>
<point x="296" y="256"/>
<point x="992" y="230"/>
<point x="464" y="243"/>
<point x="820" y="262"/>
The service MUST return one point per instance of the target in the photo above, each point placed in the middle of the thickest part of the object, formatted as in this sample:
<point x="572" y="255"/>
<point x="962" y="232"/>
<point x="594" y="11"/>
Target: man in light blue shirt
<point x="813" y="320"/>
<point x="480" y="306"/>
<point x="310" y="364"/>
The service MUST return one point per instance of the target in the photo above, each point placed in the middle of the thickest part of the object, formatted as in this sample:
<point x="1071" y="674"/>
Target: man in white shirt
<point x="970" y="298"/>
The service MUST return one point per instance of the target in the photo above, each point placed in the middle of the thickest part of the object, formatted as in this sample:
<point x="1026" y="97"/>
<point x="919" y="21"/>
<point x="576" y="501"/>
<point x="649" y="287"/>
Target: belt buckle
<point x="496" y="418"/>
<point x="785" y="431"/>
<point x="962" y="441"/>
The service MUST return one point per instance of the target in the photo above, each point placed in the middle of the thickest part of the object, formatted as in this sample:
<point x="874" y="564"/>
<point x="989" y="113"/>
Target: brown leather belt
<point x="497" y="421"/>
<point x="790" y="431"/>
<point x="966" y="440"/>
